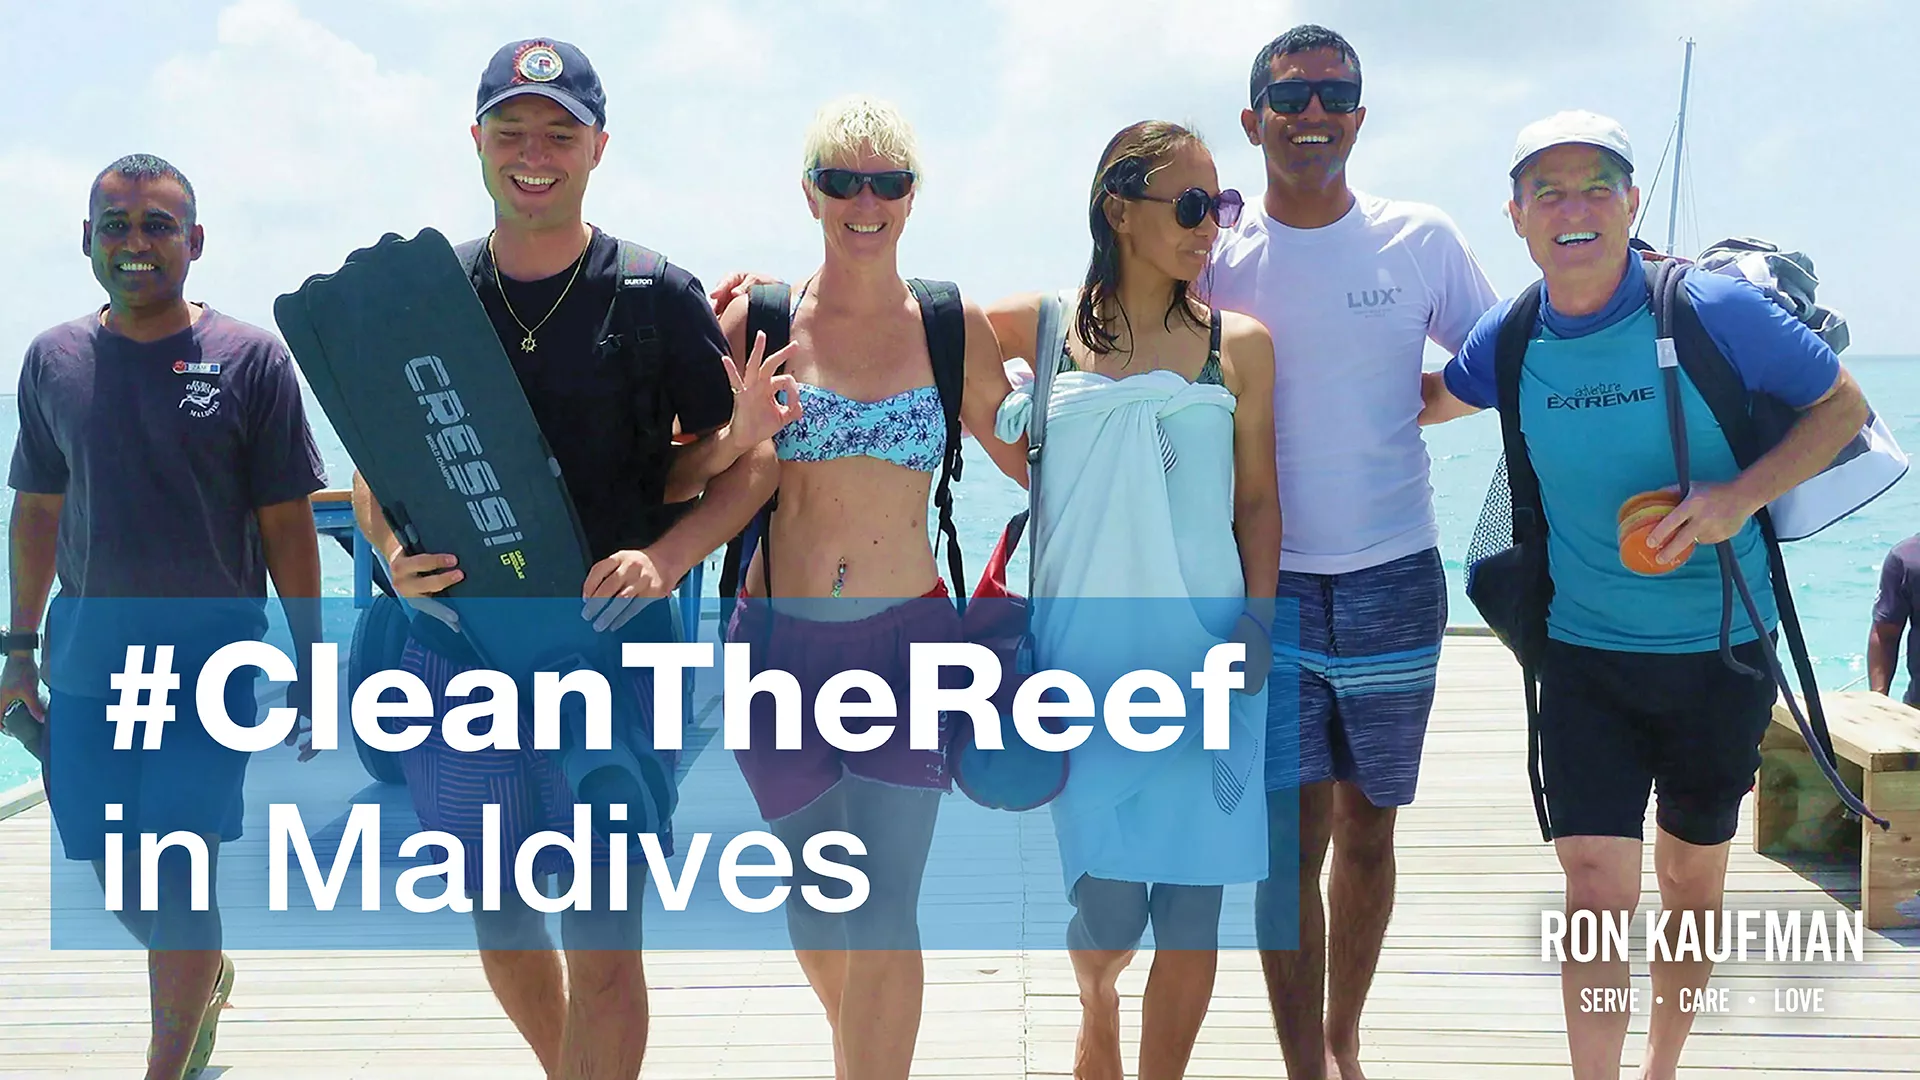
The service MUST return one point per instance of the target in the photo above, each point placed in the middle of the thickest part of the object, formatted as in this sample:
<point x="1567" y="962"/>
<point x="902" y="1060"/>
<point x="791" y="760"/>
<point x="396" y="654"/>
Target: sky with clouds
<point x="309" y="129"/>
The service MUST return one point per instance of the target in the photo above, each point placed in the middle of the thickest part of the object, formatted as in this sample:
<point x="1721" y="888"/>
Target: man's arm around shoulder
<point x="1437" y="403"/>
<point x="1467" y="384"/>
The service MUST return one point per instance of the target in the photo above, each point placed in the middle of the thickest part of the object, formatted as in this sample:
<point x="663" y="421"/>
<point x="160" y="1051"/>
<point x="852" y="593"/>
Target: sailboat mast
<point x="1679" y="145"/>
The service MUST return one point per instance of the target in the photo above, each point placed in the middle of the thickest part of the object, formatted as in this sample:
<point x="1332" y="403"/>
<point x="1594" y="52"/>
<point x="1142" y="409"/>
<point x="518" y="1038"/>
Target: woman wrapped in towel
<point x="1158" y="537"/>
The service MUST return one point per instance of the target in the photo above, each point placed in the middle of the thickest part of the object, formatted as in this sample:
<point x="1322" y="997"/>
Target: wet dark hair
<point x="1125" y="165"/>
<point x="143" y="167"/>
<point x="1304" y="38"/>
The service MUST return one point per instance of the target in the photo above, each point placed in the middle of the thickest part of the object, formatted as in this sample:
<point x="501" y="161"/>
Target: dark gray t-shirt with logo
<point x="163" y="451"/>
<point x="1899" y="604"/>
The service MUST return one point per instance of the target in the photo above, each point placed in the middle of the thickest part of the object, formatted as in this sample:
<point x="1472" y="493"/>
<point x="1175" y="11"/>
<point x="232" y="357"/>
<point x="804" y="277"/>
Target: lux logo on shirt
<point x="1373" y="298"/>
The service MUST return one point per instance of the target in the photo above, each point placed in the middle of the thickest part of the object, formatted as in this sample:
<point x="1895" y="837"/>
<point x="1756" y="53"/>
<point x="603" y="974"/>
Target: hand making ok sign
<point x="763" y="400"/>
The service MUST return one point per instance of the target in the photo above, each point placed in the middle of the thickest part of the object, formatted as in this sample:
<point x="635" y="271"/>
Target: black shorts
<point x="1616" y="725"/>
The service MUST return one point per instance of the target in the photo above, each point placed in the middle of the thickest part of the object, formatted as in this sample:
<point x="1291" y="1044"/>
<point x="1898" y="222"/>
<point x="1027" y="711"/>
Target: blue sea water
<point x="1834" y="574"/>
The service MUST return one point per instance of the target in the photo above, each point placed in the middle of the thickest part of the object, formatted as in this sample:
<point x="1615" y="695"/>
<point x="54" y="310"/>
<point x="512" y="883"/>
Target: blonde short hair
<point x="846" y="126"/>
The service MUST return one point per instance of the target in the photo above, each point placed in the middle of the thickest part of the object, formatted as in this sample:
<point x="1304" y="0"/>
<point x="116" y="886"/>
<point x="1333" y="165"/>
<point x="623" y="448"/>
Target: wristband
<point x="14" y="641"/>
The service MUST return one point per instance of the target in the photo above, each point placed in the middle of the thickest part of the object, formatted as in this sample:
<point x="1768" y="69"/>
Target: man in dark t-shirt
<point x="1896" y="612"/>
<point x="163" y="453"/>
<point x="652" y="506"/>
<point x="582" y="394"/>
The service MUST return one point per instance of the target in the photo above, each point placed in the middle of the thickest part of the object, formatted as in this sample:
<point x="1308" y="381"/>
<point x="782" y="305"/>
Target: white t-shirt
<point x="1350" y="307"/>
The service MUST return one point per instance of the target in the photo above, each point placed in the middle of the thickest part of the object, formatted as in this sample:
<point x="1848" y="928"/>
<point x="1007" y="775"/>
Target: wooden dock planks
<point x="1461" y="992"/>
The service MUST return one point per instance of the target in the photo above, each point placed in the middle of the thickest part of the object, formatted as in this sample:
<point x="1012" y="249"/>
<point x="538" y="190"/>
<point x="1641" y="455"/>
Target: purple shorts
<point x="786" y="781"/>
<point x="449" y="787"/>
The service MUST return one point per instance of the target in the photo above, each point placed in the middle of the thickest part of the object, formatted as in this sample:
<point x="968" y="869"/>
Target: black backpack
<point x="1508" y="577"/>
<point x="770" y="311"/>
<point x="631" y="326"/>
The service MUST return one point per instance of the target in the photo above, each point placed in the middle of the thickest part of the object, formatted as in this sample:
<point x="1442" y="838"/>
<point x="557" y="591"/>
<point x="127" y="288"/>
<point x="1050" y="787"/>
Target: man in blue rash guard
<point x="1634" y="695"/>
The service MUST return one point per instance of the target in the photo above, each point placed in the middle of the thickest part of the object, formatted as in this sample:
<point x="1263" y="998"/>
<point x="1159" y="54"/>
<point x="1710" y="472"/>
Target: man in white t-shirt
<point x="1351" y="286"/>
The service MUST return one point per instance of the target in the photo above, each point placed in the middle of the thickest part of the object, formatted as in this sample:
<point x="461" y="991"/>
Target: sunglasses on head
<point x="846" y="183"/>
<point x="1192" y="206"/>
<point x="1290" y="96"/>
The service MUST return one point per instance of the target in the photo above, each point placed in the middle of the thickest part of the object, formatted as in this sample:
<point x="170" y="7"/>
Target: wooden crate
<point x="1876" y="743"/>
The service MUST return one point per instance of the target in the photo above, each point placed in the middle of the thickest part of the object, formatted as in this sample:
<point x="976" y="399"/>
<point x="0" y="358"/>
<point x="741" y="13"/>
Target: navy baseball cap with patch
<point x="551" y="69"/>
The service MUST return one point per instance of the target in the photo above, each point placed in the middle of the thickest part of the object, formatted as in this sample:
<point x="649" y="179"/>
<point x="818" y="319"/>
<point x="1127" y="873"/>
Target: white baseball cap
<point x="1574" y="127"/>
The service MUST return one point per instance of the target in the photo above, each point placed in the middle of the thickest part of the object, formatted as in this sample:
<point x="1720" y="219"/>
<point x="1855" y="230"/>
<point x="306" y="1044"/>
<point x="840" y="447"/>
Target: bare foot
<point x="1096" y="1052"/>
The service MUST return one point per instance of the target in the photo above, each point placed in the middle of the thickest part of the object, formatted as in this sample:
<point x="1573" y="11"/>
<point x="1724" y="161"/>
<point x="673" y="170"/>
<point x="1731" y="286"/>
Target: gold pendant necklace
<point x="528" y="344"/>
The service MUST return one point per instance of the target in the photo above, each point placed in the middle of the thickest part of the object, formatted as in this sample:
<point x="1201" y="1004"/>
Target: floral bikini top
<point x="908" y="428"/>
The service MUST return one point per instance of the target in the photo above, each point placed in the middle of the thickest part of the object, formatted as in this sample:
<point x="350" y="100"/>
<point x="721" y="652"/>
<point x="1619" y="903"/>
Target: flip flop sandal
<point x="210" y="1023"/>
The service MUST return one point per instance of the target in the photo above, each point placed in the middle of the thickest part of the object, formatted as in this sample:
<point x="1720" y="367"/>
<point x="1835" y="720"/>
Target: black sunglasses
<point x="846" y="183"/>
<point x="1193" y="205"/>
<point x="1290" y="96"/>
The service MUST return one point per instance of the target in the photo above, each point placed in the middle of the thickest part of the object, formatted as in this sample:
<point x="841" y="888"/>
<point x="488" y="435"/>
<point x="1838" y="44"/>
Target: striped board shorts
<point x="450" y="787"/>
<point x="1368" y="655"/>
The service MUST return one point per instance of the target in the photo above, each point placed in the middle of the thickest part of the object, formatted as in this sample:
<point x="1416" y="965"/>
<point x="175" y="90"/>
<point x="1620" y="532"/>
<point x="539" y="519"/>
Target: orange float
<point x="1666" y="499"/>
<point x="1639" y="516"/>
<point x="1644" y="515"/>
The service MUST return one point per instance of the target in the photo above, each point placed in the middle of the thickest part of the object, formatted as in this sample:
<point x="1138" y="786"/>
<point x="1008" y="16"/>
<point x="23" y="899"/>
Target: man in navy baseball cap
<point x="551" y="69"/>
<point x="618" y="352"/>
